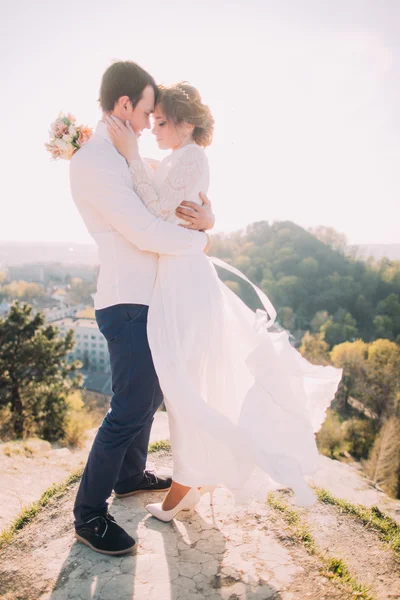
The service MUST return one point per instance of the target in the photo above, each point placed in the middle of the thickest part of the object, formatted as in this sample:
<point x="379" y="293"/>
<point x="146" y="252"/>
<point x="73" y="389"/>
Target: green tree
<point x="288" y="287"/>
<point x="359" y="435"/>
<point x="314" y="348"/>
<point x="339" y="328"/>
<point x="286" y="317"/>
<point x="352" y="358"/>
<point x="383" y="327"/>
<point x="387" y="321"/>
<point x="35" y="374"/>
<point x="319" y="319"/>
<point x="330" y="438"/>
<point x="23" y="290"/>
<point x="382" y="391"/>
<point x="81" y="291"/>
<point x="309" y="268"/>
<point x="330" y="237"/>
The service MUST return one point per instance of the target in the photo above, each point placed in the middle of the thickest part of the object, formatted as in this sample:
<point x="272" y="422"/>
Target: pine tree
<point x="35" y="374"/>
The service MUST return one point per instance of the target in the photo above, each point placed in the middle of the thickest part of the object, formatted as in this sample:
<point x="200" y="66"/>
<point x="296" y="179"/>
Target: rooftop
<point x="76" y="323"/>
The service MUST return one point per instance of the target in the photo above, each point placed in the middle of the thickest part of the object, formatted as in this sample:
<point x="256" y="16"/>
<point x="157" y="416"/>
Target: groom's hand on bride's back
<point x="198" y="217"/>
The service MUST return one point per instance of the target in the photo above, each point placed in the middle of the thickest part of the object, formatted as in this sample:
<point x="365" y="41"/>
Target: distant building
<point x="56" y="313"/>
<point x="60" y="296"/>
<point x="90" y="347"/>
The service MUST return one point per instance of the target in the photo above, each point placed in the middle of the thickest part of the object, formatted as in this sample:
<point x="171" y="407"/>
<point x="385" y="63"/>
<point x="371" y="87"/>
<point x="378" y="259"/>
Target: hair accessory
<point x="182" y="91"/>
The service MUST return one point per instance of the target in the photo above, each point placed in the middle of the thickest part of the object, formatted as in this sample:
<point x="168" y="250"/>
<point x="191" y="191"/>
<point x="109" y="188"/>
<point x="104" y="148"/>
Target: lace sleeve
<point x="183" y="175"/>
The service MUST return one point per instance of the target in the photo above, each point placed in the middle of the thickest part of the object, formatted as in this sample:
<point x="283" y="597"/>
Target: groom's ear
<point x="123" y="103"/>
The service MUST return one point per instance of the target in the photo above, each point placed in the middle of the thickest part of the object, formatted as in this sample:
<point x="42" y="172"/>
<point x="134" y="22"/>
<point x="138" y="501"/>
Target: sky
<point x="305" y="95"/>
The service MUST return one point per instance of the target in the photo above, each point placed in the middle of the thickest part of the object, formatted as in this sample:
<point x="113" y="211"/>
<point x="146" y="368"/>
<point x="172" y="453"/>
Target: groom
<point x="129" y="240"/>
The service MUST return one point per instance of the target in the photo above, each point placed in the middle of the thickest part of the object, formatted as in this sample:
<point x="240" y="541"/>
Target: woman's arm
<point x="108" y="204"/>
<point x="152" y="162"/>
<point x="185" y="175"/>
<point x="188" y="170"/>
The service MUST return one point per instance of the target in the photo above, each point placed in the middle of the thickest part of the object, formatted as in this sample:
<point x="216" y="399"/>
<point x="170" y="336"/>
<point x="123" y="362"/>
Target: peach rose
<point x="54" y="150"/>
<point x="85" y="133"/>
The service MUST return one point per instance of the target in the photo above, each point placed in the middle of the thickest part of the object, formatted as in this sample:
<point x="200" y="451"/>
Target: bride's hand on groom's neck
<point x="197" y="217"/>
<point x="123" y="137"/>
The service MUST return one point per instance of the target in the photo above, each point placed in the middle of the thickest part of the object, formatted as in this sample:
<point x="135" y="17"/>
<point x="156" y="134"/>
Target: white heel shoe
<point x="208" y="489"/>
<point x="188" y="502"/>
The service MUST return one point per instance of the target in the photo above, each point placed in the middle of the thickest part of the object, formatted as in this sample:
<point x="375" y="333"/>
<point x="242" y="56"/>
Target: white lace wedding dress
<point x="243" y="404"/>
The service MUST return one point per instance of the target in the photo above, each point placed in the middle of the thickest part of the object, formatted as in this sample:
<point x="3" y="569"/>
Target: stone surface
<point x="28" y="469"/>
<point x="208" y="554"/>
<point x="219" y="553"/>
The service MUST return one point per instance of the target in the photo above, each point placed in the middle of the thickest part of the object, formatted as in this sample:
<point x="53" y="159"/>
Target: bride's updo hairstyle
<point x="181" y="103"/>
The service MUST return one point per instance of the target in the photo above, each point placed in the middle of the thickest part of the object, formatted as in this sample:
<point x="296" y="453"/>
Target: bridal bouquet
<point x="66" y="137"/>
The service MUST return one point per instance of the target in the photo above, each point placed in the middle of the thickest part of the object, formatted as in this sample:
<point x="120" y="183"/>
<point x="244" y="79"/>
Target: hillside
<point x="312" y="285"/>
<point x="13" y="253"/>
<point x="305" y="278"/>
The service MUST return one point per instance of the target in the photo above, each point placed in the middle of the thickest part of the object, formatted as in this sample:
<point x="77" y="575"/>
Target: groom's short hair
<point x="124" y="78"/>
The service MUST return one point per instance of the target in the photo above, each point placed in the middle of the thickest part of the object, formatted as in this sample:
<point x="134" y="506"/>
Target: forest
<point x="314" y="283"/>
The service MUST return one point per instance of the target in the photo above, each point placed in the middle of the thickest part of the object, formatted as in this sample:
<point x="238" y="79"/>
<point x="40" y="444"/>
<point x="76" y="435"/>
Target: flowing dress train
<point x="243" y="404"/>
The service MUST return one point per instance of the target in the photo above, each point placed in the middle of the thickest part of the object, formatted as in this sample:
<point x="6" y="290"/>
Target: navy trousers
<point x="119" y="452"/>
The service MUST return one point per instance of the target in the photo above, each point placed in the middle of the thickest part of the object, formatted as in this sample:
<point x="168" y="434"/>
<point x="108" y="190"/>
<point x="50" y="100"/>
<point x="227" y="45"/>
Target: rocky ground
<point x="263" y="551"/>
<point x="29" y="468"/>
<point x="224" y="552"/>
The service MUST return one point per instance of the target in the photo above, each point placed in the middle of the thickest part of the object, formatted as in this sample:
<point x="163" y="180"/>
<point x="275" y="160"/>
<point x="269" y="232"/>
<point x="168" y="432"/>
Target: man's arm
<point x="197" y="217"/>
<point x="107" y="192"/>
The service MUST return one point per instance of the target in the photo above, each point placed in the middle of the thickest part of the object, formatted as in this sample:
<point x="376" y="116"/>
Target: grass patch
<point x="20" y="447"/>
<point x="336" y="569"/>
<point x="289" y="514"/>
<point x="387" y="528"/>
<point x="30" y="512"/>
<point x="298" y="529"/>
<point x="57" y="490"/>
<point x="160" y="445"/>
<point x="333" y="568"/>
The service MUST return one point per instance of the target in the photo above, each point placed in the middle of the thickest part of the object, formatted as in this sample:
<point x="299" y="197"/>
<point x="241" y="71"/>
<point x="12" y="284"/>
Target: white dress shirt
<point x="128" y="237"/>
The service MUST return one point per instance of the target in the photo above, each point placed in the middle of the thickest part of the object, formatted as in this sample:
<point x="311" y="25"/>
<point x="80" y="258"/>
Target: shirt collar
<point x="101" y="130"/>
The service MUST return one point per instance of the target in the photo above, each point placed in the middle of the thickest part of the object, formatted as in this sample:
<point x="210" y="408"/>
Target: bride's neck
<point x="185" y="142"/>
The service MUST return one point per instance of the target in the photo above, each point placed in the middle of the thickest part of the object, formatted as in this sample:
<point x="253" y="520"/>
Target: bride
<point x="243" y="404"/>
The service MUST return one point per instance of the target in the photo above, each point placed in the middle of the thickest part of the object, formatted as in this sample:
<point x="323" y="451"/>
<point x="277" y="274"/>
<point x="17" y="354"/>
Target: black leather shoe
<point x="150" y="483"/>
<point x="102" y="534"/>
